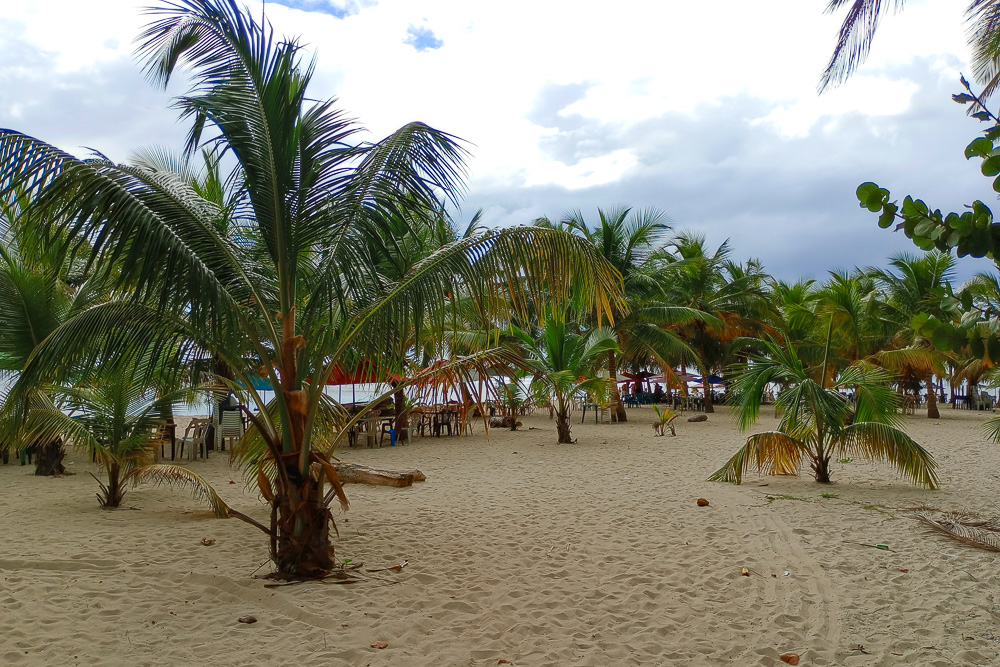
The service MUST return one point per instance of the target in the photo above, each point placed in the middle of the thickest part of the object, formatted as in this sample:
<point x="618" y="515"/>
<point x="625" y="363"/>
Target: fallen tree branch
<point x="353" y="473"/>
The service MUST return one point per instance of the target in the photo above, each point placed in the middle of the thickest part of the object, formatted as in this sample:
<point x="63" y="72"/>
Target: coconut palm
<point x="863" y="16"/>
<point x="731" y="298"/>
<point x="291" y="290"/>
<point x="113" y="415"/>
<point x="40" y="287"/>
<point x="915" y="285"/>
<point x="818" y="422"/>
<point x="631" y="240"/>
<point x="857" y="309"/>
<point x="562" y="361"/>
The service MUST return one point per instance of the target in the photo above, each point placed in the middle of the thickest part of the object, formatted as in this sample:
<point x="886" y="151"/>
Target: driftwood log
<point x="353" y="473"/>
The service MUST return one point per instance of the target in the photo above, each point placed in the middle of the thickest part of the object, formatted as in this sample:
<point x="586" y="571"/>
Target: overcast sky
<point x="706" y="111"/>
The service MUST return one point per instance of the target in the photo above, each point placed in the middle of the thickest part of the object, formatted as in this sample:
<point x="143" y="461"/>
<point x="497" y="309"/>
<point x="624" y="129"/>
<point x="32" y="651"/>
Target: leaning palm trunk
<point x="932" y="408"/>
<point x="618" y="413"/>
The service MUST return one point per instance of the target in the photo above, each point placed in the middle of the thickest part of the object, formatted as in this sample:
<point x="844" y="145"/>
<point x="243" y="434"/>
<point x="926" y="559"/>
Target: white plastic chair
<point x="231" y="427"/>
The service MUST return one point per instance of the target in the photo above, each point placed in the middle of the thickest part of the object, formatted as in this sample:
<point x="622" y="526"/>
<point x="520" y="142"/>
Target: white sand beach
<point x="525" y="551"/>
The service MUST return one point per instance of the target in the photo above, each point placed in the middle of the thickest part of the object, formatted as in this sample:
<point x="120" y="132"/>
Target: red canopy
<point x="364" y="373"/>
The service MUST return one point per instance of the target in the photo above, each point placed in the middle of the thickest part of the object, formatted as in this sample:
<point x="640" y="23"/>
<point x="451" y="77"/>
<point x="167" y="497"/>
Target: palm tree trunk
<point x="822" y="468"/>
<point x="303" y="519"/>
<point x="115" y="486"/>
<point x="932" y="408"/>
<point x="618" y="413"/>
<point x="707" y="390"/>
<point x="48" y="458"/>
<point x="562" y="428"/>
<point x="303" y="543"/>
<point x="402" y="420"/>
<point x="562" y="422"/>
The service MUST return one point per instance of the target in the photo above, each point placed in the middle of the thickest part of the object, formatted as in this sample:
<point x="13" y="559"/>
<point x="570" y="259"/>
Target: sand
<point x="521" y="550"/>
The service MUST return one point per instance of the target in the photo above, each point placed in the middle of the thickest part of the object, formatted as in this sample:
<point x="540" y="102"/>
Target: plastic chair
<point x="231" y="427"/>
<point x="443" y="420"/>
<point x="194" y="435"/>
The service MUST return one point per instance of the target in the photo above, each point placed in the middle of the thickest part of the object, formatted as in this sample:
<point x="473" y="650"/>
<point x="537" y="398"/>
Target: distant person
<point x="658" y="393"/>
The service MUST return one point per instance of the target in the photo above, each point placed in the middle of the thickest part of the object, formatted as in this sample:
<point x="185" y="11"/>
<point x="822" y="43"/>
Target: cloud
<point x="339" y="9"/>
<point x="712" y="117"/>
<point x="422" y="38"/>
<point x="786" y="198"/>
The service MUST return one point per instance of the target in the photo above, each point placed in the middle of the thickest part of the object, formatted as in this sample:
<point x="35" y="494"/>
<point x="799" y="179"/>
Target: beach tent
<point x="364" y="372"/>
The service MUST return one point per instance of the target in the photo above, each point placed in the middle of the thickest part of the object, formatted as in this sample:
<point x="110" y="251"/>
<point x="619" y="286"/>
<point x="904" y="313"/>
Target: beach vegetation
<point x="40" y="288"/>
<point x="728" y="298"/>
<point x="113" y="415"/>
<point x="665" y="419"/>
<point x="292" y="289"/>
<point x="562" y="361"/>
<point x="634" y="241"/>
<point x="818" y="423"/>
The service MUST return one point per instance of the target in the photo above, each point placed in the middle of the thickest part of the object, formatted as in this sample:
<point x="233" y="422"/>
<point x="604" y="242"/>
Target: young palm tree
<point x="562" y="361"/>
<point x="114" y="416"/>
<point x="916" y="285"/>
<point x="858" y="312"/>
<point x="818" y="422"/>
<point x="290" y="290"/>
<point x="40" y="288"/>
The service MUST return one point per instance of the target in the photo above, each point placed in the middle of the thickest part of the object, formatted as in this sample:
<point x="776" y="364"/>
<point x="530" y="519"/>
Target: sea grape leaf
<point x="991" y="166"/>
<point x="980" y="146"/>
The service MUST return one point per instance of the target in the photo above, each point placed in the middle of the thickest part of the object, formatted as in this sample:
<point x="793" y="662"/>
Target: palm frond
<point x="855" y="37"/>
<point x="965" y="528"/>
<point x="171" y="475"/>
<point x="772" y="452"/>
<point x="882" y="442"/>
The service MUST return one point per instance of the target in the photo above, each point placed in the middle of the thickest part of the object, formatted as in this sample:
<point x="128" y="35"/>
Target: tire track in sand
<point x="816" y="624"/>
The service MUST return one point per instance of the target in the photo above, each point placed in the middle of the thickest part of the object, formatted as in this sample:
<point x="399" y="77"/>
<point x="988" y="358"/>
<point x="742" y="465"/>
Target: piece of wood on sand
<point x="353" y="473"/>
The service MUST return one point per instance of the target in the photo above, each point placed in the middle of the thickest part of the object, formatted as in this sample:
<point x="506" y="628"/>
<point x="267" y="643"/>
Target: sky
<point x="707" y="112"/>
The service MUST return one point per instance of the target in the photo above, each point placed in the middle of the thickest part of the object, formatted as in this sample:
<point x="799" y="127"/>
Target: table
<point x="597" y="412"/>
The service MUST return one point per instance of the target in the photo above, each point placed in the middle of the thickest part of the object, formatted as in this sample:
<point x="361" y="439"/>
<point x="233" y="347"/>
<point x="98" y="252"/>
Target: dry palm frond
<point x="773" y="453"/>
<point x="174" y="474"/>
<point x="965" y="528"/>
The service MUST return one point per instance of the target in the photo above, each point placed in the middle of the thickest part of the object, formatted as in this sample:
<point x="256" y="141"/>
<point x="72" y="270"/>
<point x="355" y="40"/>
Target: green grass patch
<point x="871" y="507"/>
<point x="830" y="495"/>
<point x="845" y="460"/>
<point x="771" y="499"/>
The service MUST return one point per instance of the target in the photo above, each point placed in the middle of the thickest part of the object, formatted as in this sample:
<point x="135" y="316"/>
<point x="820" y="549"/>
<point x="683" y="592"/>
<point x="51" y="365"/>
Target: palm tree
<point x="290" y="290"/>
<point x="818" y="422"/>
<point x="730" y="296"/>
<point x="40" y="288"/>
<point x="794" y="315"/>
<point x="858" y="30"/>
<point x="916" y="285"/>
<point x="631" y="241"/>
<point x="857" y="309"/>
<point x="562" y="361"/>
<point x="113" y="416"/>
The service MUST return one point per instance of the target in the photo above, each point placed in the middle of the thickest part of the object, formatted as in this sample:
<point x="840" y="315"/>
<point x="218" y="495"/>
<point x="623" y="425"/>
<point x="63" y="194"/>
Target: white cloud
<point x="685" y="88"/>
